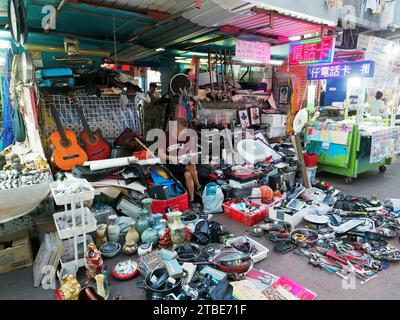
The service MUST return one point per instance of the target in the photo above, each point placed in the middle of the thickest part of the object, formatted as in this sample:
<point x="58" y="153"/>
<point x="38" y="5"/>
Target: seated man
<point x="169" y="155"/>
<point x="377" y="107"/>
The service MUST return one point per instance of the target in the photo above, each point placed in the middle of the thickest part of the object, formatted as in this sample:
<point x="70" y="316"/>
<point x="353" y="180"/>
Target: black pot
<point x="154" y="294"/>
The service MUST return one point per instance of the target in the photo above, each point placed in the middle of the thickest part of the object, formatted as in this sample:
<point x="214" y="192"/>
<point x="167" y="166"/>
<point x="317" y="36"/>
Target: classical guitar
<point x="96" y="147"/>
<point x="67" y="152"/>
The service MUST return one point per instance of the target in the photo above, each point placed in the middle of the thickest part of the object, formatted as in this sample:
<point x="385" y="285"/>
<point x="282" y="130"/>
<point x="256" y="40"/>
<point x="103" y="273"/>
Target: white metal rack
<point x="74" y="200"/>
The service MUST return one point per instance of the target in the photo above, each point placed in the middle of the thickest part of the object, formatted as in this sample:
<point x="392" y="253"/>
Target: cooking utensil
<point x="230" y="261"/>
<point x="151" y="293"/>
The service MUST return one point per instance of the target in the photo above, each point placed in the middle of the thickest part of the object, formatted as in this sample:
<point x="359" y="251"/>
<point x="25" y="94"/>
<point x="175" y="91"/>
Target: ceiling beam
<point x="86" y="12"/>
<point x="80" y="36"/>
<point x="153" y="14"/>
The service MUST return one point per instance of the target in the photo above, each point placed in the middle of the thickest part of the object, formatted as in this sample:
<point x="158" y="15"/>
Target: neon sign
<point x="360" y="69"/>
<point x="312" y="51"/>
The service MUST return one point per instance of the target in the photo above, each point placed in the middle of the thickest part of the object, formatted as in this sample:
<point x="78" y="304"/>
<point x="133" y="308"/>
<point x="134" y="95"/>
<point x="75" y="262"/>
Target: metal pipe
<point x="54" y="49"/>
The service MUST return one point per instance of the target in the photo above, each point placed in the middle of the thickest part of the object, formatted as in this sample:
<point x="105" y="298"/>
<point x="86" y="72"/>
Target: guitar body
<point x="67" y="155"/>
<point x="97" y="148"/>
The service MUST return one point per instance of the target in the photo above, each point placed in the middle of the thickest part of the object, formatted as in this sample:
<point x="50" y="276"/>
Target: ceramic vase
<point x="101" y="235"/>
<point x="113" y="229"/>
<point x="177" y="227"/>
<point x="132" y="234"/>
<point x="142" y="223"/>
<point x="150" y="235"/>
<point x="157" y="221"/>
<point x="163" y="226"/>
<point x="147" y="206"/>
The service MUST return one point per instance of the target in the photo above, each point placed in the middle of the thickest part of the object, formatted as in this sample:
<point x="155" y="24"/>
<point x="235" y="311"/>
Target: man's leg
<point x="189" y="185"/>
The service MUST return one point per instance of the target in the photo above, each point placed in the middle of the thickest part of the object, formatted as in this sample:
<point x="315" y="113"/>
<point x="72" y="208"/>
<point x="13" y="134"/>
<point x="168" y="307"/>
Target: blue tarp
<point x="7" y="134"/>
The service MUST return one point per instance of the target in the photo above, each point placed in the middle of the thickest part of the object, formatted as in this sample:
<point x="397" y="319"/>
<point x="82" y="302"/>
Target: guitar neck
<point x="84" y="121"/>
<point x="57" y="120"/>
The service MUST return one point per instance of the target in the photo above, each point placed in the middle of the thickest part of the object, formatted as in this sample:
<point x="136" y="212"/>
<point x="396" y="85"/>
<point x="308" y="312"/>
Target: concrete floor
<point x="18" y="284"/>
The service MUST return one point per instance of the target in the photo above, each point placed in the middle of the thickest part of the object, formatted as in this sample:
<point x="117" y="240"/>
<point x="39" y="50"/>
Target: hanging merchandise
<point x="16" y="96"/>
<point x="7" y="134"/>
<point x="17" y="21"/>
<point x="374" y="5"/>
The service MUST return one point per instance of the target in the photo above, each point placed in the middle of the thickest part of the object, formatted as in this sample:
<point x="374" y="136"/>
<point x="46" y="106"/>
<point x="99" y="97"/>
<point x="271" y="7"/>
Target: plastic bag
<point x="213" y="198"/>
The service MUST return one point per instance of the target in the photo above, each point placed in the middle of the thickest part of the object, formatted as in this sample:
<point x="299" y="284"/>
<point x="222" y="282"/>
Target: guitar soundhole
<point x="65" y="143"/>
<point x="93" y="140"/>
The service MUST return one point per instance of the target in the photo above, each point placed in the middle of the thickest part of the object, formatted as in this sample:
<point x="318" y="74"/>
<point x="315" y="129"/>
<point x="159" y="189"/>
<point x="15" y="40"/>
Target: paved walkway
<point x="18" y="284"/>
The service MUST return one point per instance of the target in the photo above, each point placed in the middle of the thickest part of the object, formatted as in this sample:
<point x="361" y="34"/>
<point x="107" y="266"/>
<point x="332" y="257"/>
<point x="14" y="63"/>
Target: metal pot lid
<point x="316" y="219"/>
<point x="27" y="67"/>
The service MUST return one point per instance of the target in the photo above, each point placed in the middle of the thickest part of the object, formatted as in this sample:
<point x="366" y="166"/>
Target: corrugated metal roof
<point x="275" y="24"/>
<point x="215" y="11"/>
<point x="168" y="6"/>
<point x="175" y="32"/>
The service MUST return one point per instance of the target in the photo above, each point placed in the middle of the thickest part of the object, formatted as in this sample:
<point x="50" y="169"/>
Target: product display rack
<point x="74" y="207"/>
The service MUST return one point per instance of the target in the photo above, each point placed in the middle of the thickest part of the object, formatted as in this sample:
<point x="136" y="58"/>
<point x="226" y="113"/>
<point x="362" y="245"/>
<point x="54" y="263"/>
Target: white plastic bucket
<point x="311" y="173"/>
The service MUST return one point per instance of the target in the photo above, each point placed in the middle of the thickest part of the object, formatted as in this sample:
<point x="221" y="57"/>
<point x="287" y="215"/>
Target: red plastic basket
<point x="141" y="155"/>
<point x="244" y="218"/>
<point x="180" y="203"/>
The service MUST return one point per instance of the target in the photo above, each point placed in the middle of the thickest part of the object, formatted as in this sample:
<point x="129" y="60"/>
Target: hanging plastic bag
<point x="213" y="198"/>
<point x="18" y="124"/>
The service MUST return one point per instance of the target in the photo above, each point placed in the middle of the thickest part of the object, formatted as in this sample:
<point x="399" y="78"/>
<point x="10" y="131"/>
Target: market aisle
<point x="18" y="284"/>
<point x="384" y="185"/>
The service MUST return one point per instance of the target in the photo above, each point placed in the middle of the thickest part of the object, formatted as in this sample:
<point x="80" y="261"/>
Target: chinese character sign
<point x="360" y="69"/>
<point x="318" y="50"/>
<point x="253" y="51"/>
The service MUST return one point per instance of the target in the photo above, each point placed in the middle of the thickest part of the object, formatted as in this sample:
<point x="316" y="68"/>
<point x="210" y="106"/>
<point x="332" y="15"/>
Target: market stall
<point x="350" y="137"/>
<point x="156" y="218"/>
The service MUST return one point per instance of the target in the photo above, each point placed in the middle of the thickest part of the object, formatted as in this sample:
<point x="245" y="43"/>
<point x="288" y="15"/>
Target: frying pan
<point x="230" y="262"/>
<point x="179" y="83"/>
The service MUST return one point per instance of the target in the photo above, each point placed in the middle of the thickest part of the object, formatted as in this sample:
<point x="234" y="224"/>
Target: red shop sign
<point x="312" y="51"/>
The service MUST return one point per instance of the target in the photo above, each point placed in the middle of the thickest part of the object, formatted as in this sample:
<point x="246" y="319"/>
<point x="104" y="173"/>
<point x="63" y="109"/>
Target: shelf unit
<point x="74" y="209"/>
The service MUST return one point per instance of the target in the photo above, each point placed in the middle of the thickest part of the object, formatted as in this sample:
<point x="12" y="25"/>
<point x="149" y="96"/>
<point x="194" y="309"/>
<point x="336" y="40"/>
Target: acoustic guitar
<point x="96" y="147"/>
<point x="67" y="152"/>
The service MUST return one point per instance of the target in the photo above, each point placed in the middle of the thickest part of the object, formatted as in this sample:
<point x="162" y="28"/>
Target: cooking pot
<point x="156" y="294"/>
<point x="230" y="261"/>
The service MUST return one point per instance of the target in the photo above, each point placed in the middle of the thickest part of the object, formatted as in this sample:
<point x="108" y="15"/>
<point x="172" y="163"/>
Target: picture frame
<point x="244" y="119"/>
<point x="284" y="95"/>
<point x="255" y="116"/>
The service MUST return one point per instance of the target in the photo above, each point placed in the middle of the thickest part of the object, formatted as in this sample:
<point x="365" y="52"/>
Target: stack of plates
<point x="110" y="249"/>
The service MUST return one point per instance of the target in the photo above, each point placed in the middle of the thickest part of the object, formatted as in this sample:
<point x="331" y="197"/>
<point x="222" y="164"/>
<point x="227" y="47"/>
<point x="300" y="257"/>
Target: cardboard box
<point x="168" y="255"/>
<point x="174" y="269"/>
<point x="294" y="219"/>
<point x="274" y="120"/>
<point x="45" y="225"/>
<point x="262" y="252"/>
<point x="16" y="252"/>
<point x="276" y="132"/>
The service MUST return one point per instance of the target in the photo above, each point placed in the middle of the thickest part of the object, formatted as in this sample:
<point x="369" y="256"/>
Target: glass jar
<point x="113" y="229"/>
